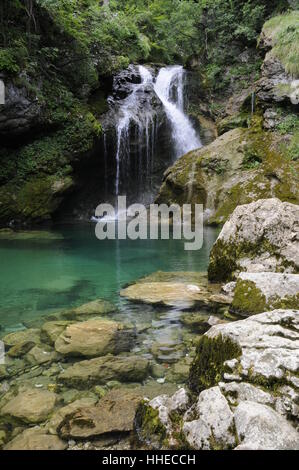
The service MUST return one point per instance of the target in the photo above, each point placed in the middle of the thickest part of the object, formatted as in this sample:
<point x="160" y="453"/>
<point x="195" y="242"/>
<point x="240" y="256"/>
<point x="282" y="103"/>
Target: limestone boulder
<point x="177" y="289"/>
<point x="240" y="167"/>
<point x="268" y="345"/>
<point x="259" y="427"/>
<point x="214" y="426"/>
<point x="258" y="237"/>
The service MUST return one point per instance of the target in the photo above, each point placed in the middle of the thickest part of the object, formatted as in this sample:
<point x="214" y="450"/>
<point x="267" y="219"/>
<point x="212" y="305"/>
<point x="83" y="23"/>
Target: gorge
<point x="138" y="344"/>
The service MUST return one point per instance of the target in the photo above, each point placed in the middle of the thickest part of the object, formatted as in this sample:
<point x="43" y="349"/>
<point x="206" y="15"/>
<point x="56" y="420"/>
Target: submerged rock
<point x="51" y="330"/>
<point x="36" y="439"/>
<point x="261" y="236"/>
<point x="177" y="289"/>
<point x="103" y="369"/>
<point x="90" y="309"/>
<point x="258" y="292"/>
<point x="115" y="412"/>
<point x="31" y="335"/>
<point x="94" y="338"/>
<point x="30" y="406"/>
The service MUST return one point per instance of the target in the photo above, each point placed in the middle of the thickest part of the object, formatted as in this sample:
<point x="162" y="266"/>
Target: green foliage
<point x="284" y="32"/>
<point x="7" y="61"/>
<point x="289" y="125"/>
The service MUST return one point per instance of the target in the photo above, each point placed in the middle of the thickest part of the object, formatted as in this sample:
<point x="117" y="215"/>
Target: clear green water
<point x="38" y="277"/>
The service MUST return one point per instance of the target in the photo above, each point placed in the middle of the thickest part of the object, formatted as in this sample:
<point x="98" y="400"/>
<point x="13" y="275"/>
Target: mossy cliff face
<point x="241" y="166"/>
<point x="36" y="176"/>
<point x="257" y="237"/>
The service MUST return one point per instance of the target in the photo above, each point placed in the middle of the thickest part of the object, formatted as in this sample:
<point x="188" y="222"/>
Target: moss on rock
<point x="248" y="298"/>
<point x="148" y="426"/>
<point x="208" y="366"/>
<point x="241" y="166"/>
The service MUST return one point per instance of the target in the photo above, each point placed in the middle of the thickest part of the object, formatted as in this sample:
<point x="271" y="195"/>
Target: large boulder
<point x="257" y="428"/>
<point x="262" y="349"/>
<point x="258" y="292"/>
<point x="239" y="167"/>
<point x="100" y="370"/>
<point x="94" y="338"/>
<point x="261" y="236"/>
<point x="214" y="424"/>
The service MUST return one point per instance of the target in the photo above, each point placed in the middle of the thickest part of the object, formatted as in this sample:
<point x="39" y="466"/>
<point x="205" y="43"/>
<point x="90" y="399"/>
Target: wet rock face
<point x="261" y="236"/>
<point x="254" y="391"/>
<point x="21" y="111"/>
<point x="123" y="80"/>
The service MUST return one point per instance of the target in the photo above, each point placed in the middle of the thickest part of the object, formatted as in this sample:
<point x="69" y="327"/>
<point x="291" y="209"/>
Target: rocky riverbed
<point x="227" y="383"/>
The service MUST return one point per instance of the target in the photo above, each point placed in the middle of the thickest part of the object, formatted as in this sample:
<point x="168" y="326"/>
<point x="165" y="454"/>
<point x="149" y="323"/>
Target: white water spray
<point x="184" y="136"/>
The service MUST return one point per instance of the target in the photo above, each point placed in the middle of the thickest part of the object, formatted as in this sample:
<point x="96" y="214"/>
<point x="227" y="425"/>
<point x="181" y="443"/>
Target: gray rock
<point x="235" y="393"/>
<point x="21" y="111"/>
<point x="258" y="237"/>
<point x="260" y="427"/>
<point x="258" y="292"/>
<point x="276" y="85"/>
<point x="269" y="343"/>
<point x="214" y="427"/>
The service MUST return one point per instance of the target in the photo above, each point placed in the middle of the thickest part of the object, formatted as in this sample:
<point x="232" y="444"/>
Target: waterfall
<point x="137" y="112"/>
<point x="130" y="113"/>
<point x="184" y="135"/>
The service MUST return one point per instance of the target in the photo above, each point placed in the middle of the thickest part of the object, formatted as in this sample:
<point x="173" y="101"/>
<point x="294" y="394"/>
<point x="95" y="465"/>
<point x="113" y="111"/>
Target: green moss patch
<point x="148" y="426"/>
<point x="208" y="366"/>
<point x="248" y="298"/>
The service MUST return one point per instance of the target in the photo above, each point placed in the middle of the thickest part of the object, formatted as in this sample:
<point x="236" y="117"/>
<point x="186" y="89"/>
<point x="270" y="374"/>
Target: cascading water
<point x="184" y="135"/>
<point x="138" y="125"/>
<point x="131" y="114"/>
